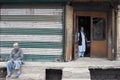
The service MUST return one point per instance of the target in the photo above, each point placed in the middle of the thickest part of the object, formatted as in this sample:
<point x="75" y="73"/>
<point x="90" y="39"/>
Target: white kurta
<point x="81" y="48"/>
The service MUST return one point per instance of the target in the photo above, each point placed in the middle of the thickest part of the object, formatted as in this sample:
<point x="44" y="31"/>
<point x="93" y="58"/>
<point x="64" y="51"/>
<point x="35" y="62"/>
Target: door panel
<point x="98" y="37"/>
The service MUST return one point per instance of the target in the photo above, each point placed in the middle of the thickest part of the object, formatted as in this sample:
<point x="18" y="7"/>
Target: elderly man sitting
<point x="15" y="61"/>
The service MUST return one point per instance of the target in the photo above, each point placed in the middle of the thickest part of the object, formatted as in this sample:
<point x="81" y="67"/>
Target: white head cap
<point x="15" y="44"/>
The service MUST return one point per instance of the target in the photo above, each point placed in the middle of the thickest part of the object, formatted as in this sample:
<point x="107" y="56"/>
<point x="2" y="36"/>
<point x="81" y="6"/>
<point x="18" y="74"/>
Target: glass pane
<point x="99" y="29"/>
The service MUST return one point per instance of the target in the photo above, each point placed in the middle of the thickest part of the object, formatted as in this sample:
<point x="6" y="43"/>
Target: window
<point x="99" y="29"/>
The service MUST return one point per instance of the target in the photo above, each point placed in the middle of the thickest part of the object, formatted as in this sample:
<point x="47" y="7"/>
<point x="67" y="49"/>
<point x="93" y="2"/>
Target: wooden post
<point x="112" y="36"/>
<point x="68" y="33"/>
<point x="109" y="35"/>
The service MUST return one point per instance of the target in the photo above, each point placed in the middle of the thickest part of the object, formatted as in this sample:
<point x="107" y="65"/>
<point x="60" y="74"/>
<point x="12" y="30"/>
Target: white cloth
<point x="81" y="48"/>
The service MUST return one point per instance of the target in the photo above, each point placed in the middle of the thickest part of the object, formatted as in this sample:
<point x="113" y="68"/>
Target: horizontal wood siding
<point x="37" y="29"/>
<point x="46" y="18"/>
<point x="29" y="24"/>
<point x="30" y="31"/>
<point x="36" y="38"/>
<point x="30" y="44"/>
<point x="41" y="51"/>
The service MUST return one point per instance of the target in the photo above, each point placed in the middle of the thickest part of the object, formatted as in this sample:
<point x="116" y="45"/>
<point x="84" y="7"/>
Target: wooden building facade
<point x="47" y="29"/>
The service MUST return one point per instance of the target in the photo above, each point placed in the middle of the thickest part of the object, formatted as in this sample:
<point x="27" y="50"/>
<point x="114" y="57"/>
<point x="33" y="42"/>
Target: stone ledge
<point x="2" y="64"/>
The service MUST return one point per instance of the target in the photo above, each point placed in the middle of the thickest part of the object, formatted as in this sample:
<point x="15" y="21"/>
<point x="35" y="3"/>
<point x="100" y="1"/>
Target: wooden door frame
<point x="75" y="38"/>
<point x="90" y="13"/>
<point x="112" y="42"/>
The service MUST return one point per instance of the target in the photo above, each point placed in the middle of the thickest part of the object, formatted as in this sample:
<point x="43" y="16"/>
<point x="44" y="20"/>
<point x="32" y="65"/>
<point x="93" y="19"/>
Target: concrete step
<point x="33" y="70"/>
<point x="2" y="79"/>
<point x="38" y="73"/>
<point x="29" y="73"/>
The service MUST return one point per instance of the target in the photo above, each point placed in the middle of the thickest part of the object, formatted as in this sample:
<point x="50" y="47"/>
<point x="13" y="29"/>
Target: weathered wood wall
<point x="37" y="28"/>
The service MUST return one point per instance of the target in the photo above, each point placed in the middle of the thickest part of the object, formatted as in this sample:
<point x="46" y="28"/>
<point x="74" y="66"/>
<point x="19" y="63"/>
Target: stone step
<point x="37" y="72"/>
<point x="68" y="73"/>
<point x="32" y="76"/>
<point x="2" y="79"/>
<point x="31" y="73"/>
<point x="32" y="70"/>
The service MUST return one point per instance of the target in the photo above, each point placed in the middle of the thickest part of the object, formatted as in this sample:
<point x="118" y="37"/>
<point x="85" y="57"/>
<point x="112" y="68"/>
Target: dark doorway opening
<point x="104" y="73"/>
<point x="85" y="21"/>
<point x="53" y="74"/>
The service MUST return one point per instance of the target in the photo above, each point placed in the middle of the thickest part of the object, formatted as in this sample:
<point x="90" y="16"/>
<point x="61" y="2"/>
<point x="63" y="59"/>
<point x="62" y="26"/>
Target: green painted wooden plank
<point x="26" y="31"/>
<point x="47" y="18"/>
<point x="32" y="44"/>
<point x="6" y="1"/>
<point x="32" y="57"/>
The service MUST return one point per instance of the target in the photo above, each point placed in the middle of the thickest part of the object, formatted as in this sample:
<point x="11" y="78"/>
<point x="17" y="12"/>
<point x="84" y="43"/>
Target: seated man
<point x="15" y="61"/>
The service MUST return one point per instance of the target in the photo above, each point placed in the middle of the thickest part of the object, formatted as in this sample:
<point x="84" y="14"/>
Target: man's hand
<point x="12" y="60"/>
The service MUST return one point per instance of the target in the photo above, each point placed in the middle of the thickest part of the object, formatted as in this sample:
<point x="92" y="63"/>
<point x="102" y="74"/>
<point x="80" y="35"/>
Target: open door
<point x="75" y="36"/>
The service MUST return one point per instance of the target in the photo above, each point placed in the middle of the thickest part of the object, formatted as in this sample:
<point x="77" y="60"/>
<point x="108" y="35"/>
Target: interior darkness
<point x="85" y="22"/>
<point x="53" y="74"/>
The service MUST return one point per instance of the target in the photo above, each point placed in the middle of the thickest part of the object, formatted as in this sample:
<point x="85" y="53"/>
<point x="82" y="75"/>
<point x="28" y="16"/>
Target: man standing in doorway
<point x="81" y="43"/>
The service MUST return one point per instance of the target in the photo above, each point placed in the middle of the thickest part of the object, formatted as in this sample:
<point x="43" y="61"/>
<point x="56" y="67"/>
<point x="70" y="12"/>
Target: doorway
<point x="95" y="28"/>
<point x="84" y="21"/>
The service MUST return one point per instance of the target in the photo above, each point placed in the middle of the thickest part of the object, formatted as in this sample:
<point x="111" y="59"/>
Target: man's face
<point x="16" y="47"/>
<point x="82" y="29"/>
